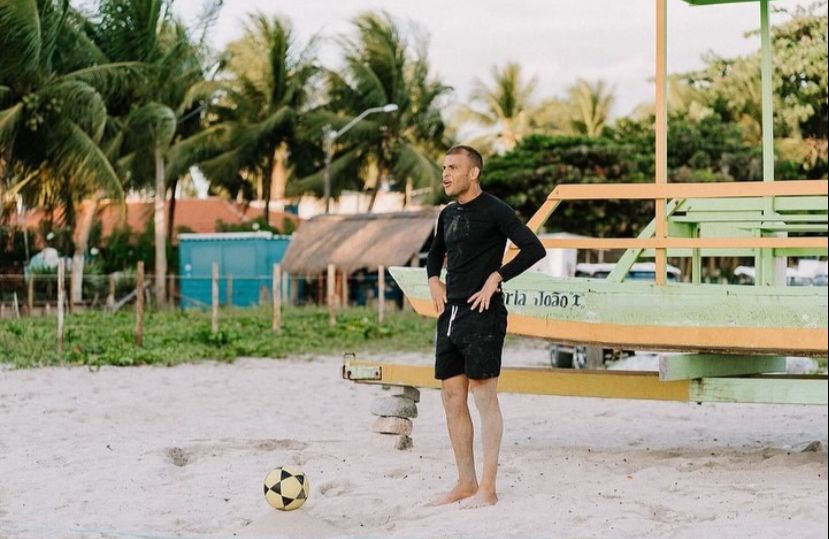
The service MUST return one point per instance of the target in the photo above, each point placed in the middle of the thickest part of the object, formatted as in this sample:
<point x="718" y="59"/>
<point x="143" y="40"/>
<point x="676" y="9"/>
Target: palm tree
<point x="53" y="117"/>
<point x="505" y="108"/>
<point x="590" y="105"/>
<point x="149" y="113"/>
<point x="398" y="149"/>
<point x="266" y="86"/>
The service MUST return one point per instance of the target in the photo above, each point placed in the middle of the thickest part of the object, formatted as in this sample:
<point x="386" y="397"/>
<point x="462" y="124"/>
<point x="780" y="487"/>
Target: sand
<point x="154" y="452"/>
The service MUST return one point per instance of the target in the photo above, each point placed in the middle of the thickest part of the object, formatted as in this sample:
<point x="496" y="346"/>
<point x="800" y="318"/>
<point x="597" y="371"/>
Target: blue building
<point x="245" y="258"/>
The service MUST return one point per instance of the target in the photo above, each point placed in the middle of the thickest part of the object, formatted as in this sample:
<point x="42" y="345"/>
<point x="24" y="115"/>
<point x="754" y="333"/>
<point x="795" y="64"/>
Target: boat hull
<point x="641" y="315"/>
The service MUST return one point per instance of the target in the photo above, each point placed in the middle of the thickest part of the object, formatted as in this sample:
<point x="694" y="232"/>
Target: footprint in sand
<point x="272" y="445"/>
<point x="178" y="456"/>
<point x="335" y="488"/>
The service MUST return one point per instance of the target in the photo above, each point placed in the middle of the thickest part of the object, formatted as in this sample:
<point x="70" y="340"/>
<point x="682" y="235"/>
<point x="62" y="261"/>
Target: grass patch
<point x="170" y="337"/>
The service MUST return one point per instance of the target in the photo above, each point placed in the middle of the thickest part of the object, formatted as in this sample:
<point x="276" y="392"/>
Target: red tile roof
<point x="197" y="215"/>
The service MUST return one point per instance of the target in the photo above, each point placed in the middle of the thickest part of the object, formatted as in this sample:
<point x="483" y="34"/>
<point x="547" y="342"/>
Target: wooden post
<point x="320" y="288"/>
<point x="30" y="295"/>
<point x="16" y="307"/>
<point x="344" y="303"/>
<point x="70" y="301"/>
<point x="381" y="293"/>
<point x="214" y="314"/>
<point x="61" y="295"/>
<point x="277" y="298"/>
<point x="331" y="283"/>
<point x="111" y="294"/>
<point x="287" y="290"/>
<point x="661" y="137"/>
<point x="230" y="290"/>
<point x="139" y="304"/>
<point x="293" y="287"/>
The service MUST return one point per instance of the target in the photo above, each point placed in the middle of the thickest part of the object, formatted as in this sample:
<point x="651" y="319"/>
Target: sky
<point x="558" y="41"/>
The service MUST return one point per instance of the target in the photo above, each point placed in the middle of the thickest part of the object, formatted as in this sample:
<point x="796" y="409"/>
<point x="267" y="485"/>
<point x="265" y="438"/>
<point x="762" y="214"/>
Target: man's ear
<point x="475" y="172"/>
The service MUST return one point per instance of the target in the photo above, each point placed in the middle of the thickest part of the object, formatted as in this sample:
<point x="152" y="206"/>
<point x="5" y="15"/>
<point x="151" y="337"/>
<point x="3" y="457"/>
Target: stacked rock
<point x="396" y="412"/>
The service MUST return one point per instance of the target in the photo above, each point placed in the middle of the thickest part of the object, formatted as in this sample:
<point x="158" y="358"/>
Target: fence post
<point x="70" y="305"/>
<point x="230" y="290"/>
<point x="16" y="307"/>
<point x="381" y="293"/>
<point x="277" y="298"/>
<point x="139" y="304"/>
<point x="111" y="294"/>
<point x="61" y="296"/>
<point x="30" y="295"/>
<point x="214" y="314"/>
<point x="345" y="290"/>
<point x="332" y="279"/>
<point x="287" y="289"/>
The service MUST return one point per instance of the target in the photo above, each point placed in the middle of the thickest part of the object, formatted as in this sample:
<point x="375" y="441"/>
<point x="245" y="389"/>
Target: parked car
<point x="795" y="276"/>
<point x="640" y="271"/>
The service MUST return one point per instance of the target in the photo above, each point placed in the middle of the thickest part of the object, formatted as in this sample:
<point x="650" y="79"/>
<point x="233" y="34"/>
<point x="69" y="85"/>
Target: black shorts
<point x="470" y="342"/>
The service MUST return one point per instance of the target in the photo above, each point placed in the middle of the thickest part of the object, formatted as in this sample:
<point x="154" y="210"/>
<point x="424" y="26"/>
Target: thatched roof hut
<point x="351" y="242"/>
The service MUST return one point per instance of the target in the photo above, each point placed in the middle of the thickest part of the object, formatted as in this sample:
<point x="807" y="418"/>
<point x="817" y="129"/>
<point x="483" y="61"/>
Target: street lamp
<point x="329" y="136"/>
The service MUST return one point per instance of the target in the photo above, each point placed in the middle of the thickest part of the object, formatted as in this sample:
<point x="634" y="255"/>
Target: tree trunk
<point x="160" y="233"/>
<point x="80" y="237"/>
<point x="381" y="176"/>
<point x="407" y="195"/>
<point x="267" y="181"/>
<point x="171" y="211"/>
<point x="279" y="173"/>
<point x="279" y="177"/>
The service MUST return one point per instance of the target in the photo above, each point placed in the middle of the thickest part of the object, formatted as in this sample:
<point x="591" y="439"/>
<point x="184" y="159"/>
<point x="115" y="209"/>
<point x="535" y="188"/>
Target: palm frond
<point x="109" y="79"/>
<point x="413" y="163"/>
<point x="152" y="126"/>
<point x="80" y="103"/>
<point x="20" y="40"/>
<point x="9" y="121"/>
<point x="314" y="183"/>
<point x="77" y="156"/>
<point x="198" y="148"/>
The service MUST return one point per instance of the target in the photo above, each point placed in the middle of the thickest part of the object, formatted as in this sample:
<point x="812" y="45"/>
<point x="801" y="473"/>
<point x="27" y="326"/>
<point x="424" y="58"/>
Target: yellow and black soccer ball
<point x="286" y="488"/>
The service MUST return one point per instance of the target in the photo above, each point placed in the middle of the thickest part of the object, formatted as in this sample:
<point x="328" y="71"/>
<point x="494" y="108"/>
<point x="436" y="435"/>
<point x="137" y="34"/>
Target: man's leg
<point x="485" y="393"/>
<point x="454" y="392"/>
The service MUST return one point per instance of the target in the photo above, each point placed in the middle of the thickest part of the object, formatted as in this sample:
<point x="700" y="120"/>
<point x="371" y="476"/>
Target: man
<point x="471" y="234"/>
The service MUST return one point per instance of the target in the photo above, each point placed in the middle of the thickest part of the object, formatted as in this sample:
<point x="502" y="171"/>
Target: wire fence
<point x="41" y="293"/>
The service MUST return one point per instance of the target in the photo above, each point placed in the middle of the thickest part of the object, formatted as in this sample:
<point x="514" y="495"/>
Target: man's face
<point x="458" y="174"/>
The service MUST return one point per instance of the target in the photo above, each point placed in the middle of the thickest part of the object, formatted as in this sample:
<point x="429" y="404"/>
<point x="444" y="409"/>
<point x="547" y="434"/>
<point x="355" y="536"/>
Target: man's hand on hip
<point x="480" y="299"/>
<point x="438" y="291"/>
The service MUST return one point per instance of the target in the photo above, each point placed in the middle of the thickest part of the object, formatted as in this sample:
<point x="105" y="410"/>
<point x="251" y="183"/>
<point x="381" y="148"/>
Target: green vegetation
<point x="171" y="337"/>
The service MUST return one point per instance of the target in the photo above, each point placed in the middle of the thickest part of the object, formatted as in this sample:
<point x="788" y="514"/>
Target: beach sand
<point x="154" y="452"/>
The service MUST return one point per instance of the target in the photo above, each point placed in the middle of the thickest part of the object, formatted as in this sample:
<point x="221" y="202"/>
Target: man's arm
<point x="531" y="251"/>
<point x="530" y="248"/>
<point x="434" y="263"/>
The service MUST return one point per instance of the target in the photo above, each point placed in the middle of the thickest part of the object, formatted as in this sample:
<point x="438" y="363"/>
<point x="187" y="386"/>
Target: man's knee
<point x="454" y="392"/>
<point x="485" y="392"/>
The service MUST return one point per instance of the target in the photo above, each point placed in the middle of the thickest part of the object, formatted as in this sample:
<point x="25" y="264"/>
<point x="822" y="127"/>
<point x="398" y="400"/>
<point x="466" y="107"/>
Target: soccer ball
<point x="286" y="488"/>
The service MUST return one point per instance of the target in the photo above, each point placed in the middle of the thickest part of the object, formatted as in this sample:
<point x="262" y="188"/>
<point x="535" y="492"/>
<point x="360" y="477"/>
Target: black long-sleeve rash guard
<point x="473" y="237"/>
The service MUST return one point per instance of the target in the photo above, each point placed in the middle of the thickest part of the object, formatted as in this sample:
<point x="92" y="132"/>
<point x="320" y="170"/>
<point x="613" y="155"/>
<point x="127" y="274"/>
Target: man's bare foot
<point x="457" y="493"/>
<point x="481" y="498"/>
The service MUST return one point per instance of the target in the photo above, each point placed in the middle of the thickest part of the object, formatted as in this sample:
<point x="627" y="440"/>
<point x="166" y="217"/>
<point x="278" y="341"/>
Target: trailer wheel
<point x="560" y="357"/>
